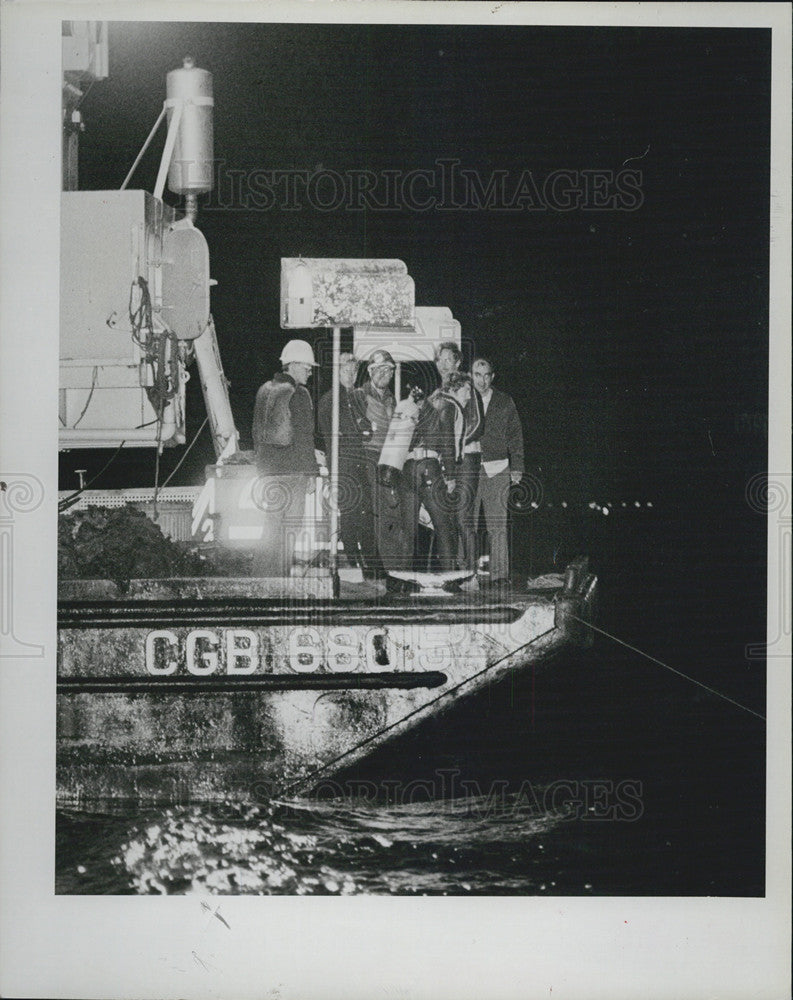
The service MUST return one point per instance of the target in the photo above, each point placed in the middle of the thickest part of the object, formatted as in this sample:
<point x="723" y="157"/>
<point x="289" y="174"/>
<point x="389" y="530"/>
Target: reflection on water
<point x="472" y="845"/>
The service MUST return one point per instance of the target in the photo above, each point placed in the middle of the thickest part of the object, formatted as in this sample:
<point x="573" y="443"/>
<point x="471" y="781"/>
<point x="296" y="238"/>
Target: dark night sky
<point x="624" y="336"/>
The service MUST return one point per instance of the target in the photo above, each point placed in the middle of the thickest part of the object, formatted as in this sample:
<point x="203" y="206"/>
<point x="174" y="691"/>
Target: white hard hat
<point x="298" y="350"/>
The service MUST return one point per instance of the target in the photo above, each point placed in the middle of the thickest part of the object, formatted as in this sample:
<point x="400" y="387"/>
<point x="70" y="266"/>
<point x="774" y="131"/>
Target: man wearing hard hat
<point x="283" y="441"/>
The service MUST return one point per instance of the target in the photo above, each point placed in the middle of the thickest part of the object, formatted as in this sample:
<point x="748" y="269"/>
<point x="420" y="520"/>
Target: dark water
<point x="603" y="774"/>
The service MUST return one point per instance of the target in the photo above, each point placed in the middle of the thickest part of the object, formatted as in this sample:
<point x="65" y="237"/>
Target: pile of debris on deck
<point x="122" y="543"/>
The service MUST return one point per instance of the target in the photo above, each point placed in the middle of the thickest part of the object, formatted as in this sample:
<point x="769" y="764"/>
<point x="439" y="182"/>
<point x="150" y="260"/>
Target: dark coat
<point x="353" y="428"/>
<point x="447" y="433"/>
<point x="503" y="436"/>
<point x="474" y="418"/>
<point x="373" y="411"/>
<point x="283" y="428"/>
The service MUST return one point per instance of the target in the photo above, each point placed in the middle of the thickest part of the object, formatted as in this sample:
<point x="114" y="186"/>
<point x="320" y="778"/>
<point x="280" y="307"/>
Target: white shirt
<point x="492" y="468"/>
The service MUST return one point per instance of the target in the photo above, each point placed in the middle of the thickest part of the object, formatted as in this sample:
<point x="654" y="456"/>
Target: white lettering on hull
<point x="306" y="649"/>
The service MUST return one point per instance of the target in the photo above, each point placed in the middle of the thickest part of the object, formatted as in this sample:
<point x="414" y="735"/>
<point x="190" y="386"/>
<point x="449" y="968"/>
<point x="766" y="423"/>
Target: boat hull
<point x="195" y="699"/>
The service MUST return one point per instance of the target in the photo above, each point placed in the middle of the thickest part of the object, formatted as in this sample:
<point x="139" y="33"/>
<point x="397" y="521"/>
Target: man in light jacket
<point x="502" y="464"/>
<point x="283" y="441"/>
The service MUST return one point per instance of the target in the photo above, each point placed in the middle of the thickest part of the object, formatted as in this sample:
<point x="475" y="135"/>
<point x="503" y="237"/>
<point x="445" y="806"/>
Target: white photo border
<point x="289" y="947"/>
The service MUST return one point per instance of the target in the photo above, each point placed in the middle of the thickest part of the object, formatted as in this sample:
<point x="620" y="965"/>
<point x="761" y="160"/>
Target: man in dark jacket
<point x="502" y="464"/>
<point x="434" y="460"/>
<point x="448" y="360"/>
<point x="356" y="508"/>
<point x="283" y="441"/>
<point x="374" y="404"/>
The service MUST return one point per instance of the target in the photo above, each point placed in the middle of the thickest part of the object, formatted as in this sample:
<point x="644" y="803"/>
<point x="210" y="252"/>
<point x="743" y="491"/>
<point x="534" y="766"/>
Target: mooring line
<point x="674" y="670"/>
<point x="300" y="782"/>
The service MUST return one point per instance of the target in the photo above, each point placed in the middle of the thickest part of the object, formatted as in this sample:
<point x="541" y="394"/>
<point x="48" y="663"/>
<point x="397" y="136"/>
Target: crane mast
<point x="135" y="284"/>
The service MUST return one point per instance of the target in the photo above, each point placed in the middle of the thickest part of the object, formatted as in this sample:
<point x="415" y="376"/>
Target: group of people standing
<point x="465" y="451"/>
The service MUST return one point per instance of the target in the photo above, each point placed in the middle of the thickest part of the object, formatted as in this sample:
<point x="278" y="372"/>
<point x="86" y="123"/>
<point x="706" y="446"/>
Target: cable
<point x="667" y="667"/>
<point x="140" y="318"/>
<point x="335" y="760"/>
<point x="187" y="452"/>
<point x="160" y="349"/>
<point x="161" y="352"/>
<point x="90" y="394"/>
<point x="71" y="500"/>
<point x="160" y="417"/>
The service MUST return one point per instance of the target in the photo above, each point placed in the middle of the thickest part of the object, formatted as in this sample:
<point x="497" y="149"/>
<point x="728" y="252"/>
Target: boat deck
<point x="295" y="589"/>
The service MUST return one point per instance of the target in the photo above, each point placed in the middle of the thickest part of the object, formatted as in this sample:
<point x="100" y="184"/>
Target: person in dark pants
<point x="374" y="403"/>
<point x="356" y="507"/>
<point x="283" y="441"/>
<point x="430" y="471"/>
<point x="502" y="465"/>
<point x="448" y="360"/>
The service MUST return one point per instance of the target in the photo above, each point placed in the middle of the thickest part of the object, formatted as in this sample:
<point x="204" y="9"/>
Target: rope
<point x="187" y="452"/>
<point x="306" y="779"/>
<point x="667" y="667"/>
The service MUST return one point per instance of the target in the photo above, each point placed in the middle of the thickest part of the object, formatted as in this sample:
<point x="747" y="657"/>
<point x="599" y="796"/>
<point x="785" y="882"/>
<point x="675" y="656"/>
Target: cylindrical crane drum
<point x="191" y="169"/>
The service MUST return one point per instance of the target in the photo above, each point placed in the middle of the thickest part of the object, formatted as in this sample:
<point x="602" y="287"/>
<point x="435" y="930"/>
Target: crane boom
<point x="214" y="385"/>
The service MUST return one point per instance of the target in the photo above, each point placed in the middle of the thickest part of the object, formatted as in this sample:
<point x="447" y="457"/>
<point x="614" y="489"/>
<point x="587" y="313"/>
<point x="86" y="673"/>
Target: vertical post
<point x="398" y="381"/>
<point x="334" y="453"/>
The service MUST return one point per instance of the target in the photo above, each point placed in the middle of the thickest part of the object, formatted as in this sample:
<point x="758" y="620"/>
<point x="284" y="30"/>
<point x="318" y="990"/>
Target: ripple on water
<point x="331" y="848"/>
